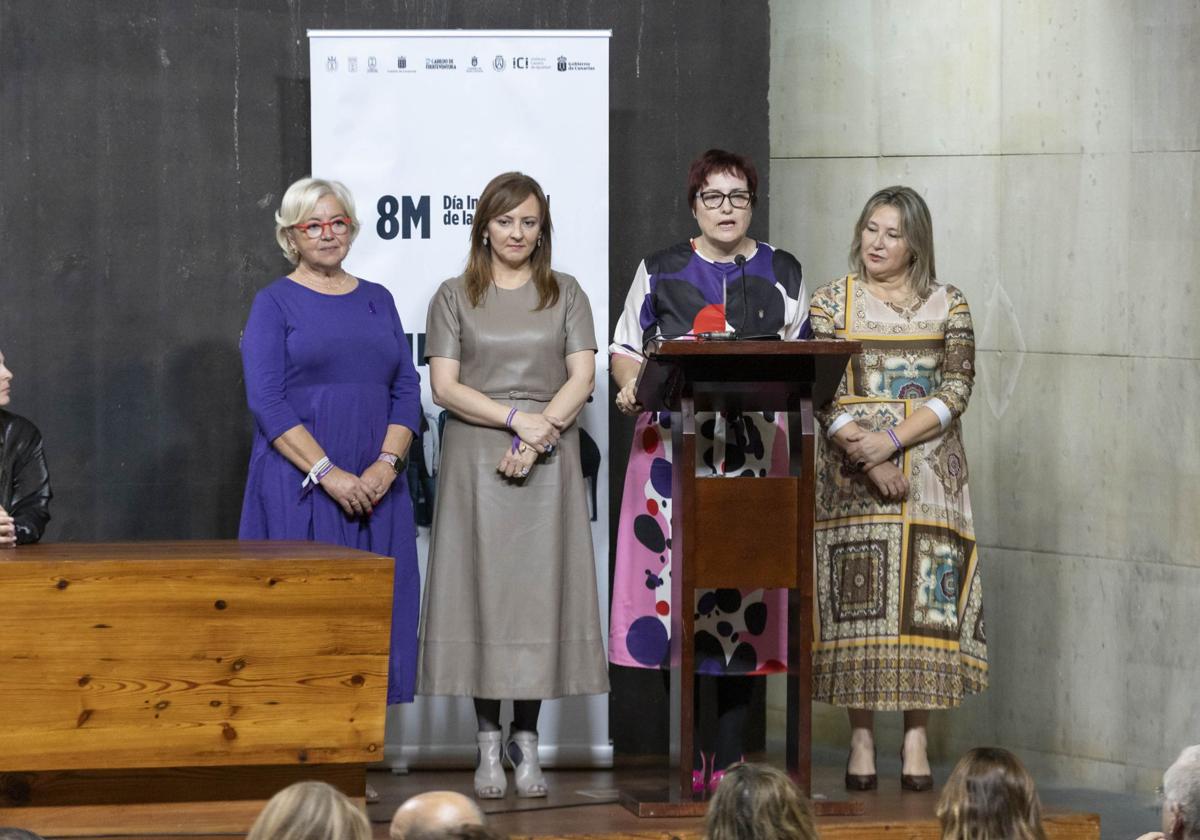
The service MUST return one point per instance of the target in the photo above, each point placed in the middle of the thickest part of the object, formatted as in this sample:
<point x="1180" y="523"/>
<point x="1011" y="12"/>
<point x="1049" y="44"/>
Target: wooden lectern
<point x="172" y="688"/>
<point x="739" y="532"/>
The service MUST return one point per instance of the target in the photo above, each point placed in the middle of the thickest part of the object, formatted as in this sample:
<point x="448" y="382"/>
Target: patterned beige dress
<point x="900" y="615"/>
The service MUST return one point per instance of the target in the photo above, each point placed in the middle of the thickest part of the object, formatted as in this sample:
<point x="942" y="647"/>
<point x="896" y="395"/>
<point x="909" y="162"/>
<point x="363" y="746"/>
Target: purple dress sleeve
<point x="264" y="361"/>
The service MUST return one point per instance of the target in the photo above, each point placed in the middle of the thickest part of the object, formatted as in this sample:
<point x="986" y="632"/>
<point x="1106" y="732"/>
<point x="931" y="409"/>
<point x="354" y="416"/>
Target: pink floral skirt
<point x="737" y="631"/>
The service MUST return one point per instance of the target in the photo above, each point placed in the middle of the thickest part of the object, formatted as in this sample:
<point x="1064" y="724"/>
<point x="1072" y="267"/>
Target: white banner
<point x="415" y="124"/>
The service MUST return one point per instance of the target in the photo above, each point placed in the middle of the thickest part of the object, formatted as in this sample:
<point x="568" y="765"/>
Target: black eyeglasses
<point x="738" y="199"/>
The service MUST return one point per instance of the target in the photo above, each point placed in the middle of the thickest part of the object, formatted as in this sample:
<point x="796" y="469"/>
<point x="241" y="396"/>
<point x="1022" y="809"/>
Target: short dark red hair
<point x="719" y="160"/>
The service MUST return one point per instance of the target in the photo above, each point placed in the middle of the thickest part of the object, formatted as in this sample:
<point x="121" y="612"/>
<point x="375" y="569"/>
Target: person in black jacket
<point x="24" y="481"/>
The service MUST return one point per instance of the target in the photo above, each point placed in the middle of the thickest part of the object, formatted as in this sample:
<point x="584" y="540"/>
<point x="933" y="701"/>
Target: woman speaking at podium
<point x="717" y="281"/>
<point x="900" y="616"/>
<point x="336" y="402"/>
<point x="511" y="609"/>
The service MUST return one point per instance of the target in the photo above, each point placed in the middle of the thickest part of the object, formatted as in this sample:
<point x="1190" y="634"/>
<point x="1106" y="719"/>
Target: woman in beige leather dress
<point x="510" y="608"/>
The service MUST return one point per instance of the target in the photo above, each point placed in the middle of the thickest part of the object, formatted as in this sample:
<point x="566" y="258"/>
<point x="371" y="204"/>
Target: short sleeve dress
<point x="899" y="594"/>
<point x="678" y="292"/>
<point x="340" y="366"/>
<point x="510" y="608"/>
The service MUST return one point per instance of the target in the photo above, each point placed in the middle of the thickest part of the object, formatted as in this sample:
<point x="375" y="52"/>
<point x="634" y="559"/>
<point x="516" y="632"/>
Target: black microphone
<point x="740" y="333"/>
<point x="741" y="263"/>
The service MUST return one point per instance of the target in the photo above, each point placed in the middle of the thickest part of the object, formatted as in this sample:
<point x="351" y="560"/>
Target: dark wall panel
<point x="143" y="148"/>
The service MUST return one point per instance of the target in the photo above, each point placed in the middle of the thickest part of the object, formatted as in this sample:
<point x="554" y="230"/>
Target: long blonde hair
<point x="503" y="193"/>
<point x="990" y="796"/>
<point x="310" y="811"/>
<point x="758" y="802"/>
<point x="916" y="226"/>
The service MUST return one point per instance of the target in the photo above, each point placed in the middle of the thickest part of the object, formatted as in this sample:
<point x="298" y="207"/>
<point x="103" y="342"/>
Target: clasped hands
<point x="870" y="453"/>
<point x="537" y="434"/>
<point x="627" y="398"/>
<point x="358" y="494"/>
<point x="8" y="530"/>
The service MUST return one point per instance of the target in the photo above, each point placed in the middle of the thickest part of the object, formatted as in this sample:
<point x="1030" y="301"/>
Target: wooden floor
<point x="583" y="804"/>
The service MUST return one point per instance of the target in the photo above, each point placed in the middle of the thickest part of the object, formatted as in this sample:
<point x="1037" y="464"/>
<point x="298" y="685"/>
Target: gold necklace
<point x="330" y="288"/>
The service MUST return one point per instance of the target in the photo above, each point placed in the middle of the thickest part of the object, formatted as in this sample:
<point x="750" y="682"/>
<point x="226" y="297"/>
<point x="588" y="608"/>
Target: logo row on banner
<point x="473" y="64"/>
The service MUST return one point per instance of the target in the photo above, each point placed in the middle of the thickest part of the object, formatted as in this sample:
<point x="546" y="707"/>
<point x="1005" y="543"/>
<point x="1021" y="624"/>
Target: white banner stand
<point x="415" y="124"/>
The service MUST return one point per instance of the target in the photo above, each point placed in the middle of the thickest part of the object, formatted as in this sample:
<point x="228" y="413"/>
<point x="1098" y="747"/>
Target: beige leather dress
<point x="510" y="607"/>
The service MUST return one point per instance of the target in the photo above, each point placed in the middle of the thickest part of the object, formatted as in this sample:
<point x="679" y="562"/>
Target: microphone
<point x="741" y="263"/>
<point x="718" y="335"/>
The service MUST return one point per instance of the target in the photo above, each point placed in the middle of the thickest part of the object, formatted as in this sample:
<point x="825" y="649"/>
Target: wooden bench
<point x="174" y="687"/>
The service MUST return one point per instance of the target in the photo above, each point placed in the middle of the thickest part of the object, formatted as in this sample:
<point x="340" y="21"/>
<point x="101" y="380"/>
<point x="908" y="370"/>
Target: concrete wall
<point x="1058" y="146"/>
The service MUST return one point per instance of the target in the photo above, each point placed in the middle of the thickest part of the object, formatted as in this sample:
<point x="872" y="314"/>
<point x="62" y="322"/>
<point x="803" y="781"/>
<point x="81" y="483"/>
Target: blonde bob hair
<point x="758" y="802"/>
<point x="310" y="811"/>
<point x="298" y="204"/>
<point x="916" y="228"/>
<point x="990" y="796"/>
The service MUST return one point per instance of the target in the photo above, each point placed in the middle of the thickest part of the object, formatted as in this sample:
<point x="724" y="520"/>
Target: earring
<point x="539" y="242"/>
<point x="485" y="239"/>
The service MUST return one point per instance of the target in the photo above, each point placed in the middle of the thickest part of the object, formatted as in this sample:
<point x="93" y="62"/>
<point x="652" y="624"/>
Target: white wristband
<point x="318" y="470"/>
<point x="941" y="410"/>
<point x="838" y="422"/>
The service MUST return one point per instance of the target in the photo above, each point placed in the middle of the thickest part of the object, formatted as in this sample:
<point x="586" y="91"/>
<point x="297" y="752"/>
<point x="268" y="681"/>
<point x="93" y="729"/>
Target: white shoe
<point x="490" y="782"/>
<point x="521" y="752"/>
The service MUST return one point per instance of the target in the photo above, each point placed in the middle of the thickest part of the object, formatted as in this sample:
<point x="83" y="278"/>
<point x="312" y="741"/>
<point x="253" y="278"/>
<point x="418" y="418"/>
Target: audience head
<point x="1181" y="796"/>
<point x="18" y="834"/>
<point x="758" y="802"/>
<point x="298" y="204"/>
<point x="990" y="796"/>
<point x="472" y="832"/>
<point x="310" y="811"/>
<point x="437" y="813"/>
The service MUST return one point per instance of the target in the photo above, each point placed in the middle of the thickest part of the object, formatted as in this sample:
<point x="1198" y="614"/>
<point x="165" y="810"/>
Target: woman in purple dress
<point x="336" y="403"/>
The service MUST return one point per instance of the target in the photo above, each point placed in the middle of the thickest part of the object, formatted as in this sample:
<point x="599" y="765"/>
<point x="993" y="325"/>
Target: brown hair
<point x="758" y="802"/>
<point x="719" y="160"/>
<point x="310" y="811"/>
<point x="990" y="796"/>
<point x="503" y="193"/>
<point x="916" y="226"/>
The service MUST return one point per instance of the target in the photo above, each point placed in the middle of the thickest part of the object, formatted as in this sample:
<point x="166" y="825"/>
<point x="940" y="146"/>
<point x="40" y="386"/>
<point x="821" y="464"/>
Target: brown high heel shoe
<point x="858" y="782"/>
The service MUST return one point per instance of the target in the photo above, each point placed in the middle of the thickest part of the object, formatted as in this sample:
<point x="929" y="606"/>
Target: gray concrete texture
<point x="1058" y="146"/>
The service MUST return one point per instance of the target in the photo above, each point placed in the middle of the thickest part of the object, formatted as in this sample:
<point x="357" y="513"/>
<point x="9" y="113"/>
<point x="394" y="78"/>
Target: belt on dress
<point x="536" y="396"/>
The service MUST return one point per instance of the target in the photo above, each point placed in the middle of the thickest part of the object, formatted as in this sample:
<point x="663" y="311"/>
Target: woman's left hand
<point x="378" y="478"/>
<point x="517" y="464"/>
<point x="869" y="449"/>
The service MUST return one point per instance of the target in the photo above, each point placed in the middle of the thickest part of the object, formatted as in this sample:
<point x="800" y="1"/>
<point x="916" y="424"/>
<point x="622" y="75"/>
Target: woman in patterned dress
<point x="900" y="618"/>
<point x="688" y="288"/>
